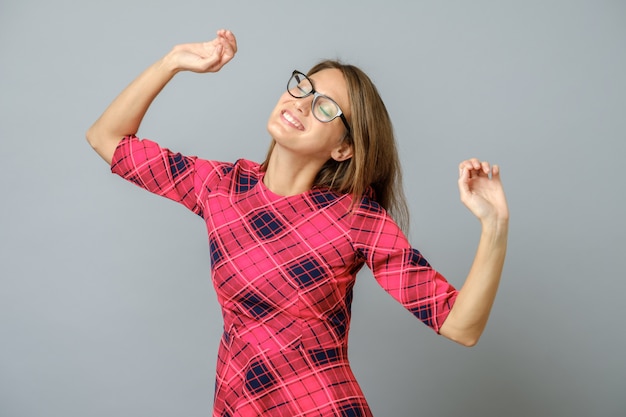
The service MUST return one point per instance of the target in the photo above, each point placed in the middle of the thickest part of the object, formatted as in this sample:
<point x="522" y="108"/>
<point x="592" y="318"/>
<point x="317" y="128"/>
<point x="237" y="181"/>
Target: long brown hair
<point x="375" y="162"/>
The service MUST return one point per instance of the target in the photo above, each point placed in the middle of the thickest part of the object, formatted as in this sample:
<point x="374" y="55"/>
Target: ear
<point x="343" y="152"/>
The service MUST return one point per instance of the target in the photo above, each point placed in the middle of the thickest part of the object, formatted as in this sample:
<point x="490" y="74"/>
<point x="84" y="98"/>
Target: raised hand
<point x="205" y="56"/>
<point x="481" y="190"/>
<point x="125" y="113"/>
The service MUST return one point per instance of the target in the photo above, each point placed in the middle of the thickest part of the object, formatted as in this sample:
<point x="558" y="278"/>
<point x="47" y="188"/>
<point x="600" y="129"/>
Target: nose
<point x="303" y="105"/>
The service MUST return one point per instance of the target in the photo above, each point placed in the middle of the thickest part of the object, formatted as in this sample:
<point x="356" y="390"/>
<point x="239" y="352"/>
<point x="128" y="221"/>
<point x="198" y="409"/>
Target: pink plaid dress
<point x="284" y="269"/>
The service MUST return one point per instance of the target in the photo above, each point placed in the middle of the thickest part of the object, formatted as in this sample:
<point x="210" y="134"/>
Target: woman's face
<point x="295" y="129"/>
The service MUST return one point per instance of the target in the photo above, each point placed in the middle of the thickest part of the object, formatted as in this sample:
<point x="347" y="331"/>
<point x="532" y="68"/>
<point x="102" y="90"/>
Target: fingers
<point x="481" y="189"/>
<point x="474" y="167"/>
<point x="218" y="52"/>
<point x="228" y="40"/>
<point x="216" y="56"/>
<point x="204" y="57"/>
<point x="495" y="171"/>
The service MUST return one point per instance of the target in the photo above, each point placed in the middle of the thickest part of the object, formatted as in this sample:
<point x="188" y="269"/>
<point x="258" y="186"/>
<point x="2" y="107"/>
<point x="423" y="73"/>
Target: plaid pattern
<point x="284" y="269"/>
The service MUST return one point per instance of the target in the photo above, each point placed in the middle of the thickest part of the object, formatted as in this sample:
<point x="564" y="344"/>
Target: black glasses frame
<point x="316" y="95"/>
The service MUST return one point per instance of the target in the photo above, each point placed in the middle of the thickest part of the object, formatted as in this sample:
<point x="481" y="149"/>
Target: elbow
<point x="466" y="340"/>
<point x="90" y="136"/>
<point x="99" y="143"/>
<point x="464" y="336"/>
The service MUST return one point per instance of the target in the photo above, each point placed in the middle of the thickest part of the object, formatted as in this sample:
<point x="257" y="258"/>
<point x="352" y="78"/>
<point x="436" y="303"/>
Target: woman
<point x="287" y="237"/>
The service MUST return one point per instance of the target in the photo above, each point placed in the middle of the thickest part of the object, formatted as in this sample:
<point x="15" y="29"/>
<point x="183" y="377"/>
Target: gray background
<point x="106" y="306"/>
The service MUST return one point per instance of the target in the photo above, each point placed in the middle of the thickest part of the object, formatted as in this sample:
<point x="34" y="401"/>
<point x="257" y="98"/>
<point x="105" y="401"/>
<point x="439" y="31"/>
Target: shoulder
<point x="237" y="177"/>
<point x="368" y="210"/>
<point x="372" y="225"/>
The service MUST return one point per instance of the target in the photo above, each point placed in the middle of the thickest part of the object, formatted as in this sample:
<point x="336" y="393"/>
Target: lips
<point x="288" y="117"/>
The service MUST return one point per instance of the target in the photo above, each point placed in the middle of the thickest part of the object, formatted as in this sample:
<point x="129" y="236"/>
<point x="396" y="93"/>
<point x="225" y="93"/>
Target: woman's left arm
<point x="482" y="193"/>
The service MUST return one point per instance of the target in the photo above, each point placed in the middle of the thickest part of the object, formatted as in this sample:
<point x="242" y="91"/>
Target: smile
<point x="292" y="120"/>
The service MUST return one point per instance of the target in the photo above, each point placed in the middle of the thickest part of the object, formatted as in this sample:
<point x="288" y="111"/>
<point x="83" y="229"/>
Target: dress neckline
<point x="271" y="195"/>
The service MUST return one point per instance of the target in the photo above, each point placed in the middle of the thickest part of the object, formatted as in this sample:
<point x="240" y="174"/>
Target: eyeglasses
<point x="324" y="108"/>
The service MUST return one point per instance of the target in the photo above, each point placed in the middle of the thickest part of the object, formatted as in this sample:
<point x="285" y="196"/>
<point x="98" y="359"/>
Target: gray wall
<point x="106" y="306"/>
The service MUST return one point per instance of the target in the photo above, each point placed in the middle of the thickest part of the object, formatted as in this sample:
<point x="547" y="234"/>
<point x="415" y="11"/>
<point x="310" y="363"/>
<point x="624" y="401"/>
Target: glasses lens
<point x="299" y="86"/>
<point x="324" y="109"/>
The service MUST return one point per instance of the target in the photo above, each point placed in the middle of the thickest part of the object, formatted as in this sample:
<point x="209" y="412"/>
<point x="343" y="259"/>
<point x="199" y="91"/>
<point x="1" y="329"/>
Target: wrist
<point x="169" y="64"/>
<point x="495" y="229"/>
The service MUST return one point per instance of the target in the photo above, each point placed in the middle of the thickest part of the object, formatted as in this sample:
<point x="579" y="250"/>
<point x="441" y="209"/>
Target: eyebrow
<point x="318" y="92"/>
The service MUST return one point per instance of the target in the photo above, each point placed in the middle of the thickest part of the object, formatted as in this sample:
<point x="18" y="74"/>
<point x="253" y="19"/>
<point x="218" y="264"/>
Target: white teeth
<point x="291" y="120"/>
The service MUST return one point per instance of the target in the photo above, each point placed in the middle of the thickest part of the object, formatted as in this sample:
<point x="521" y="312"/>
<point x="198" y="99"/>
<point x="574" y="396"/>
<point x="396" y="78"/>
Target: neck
<point x="286" y="176"/>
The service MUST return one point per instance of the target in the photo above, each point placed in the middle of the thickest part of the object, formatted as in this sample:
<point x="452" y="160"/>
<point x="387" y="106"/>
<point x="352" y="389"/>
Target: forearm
<point x="468" y="317"/>
<point x="125" y="113"/>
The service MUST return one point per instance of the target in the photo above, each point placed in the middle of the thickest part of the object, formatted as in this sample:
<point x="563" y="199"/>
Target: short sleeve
<point x="400" y="269"/>
<point x="164" y="172"/>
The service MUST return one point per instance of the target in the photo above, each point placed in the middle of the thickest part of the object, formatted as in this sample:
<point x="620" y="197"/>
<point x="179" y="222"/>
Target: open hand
<point x="481" y="190"/>
<point x="205" y="56"/>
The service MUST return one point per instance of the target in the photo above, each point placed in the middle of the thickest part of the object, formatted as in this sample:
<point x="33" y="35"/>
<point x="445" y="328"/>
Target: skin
<point x="303" y="144"/>
<point x="482" y="193"/>
<point x="125" y="113"/>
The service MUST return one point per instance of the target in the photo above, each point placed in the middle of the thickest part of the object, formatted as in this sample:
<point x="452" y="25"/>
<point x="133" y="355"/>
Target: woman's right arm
<point x="125" y="113"/>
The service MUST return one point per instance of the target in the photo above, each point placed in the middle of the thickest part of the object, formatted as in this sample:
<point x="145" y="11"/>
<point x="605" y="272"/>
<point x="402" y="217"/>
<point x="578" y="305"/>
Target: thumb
<point x="217" y="53"/>
<point x="207" y="62"/>
<point x="463" y="180"/>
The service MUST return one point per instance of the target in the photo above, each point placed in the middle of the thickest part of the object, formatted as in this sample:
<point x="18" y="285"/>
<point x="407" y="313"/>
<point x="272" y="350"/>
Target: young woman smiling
<point x="288" y="236"/>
